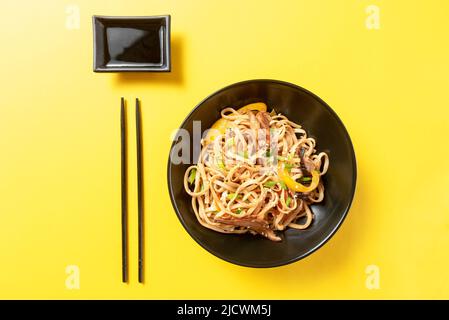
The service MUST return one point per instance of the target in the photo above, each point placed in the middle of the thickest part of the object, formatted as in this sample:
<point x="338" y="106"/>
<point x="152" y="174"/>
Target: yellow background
<point x="59" y="144"/>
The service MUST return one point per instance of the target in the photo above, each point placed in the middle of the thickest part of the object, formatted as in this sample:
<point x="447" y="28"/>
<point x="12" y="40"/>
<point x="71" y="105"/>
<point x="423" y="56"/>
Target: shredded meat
<point x="307" y="165"/>
<point x="260" y="226"/>
<point x="303" y="196"/>
<point x="264" y="119"/>
<point x="310" y="166"/>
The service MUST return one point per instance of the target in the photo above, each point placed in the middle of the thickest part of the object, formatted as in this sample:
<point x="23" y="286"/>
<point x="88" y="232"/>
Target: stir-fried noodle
<point x="257" y="172"/>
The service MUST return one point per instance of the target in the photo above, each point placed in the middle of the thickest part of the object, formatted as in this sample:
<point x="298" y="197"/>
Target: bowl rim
<point x="326" y="238"/>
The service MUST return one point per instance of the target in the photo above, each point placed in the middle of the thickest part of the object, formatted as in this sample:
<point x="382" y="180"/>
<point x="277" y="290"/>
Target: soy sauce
<point x="140" y="44"/>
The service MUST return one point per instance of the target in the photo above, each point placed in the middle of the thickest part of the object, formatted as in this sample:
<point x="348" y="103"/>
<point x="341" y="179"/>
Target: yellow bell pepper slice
<point x="220" y="126"/>
<point x="296" y="186"/>
<point x="257" y="106"/>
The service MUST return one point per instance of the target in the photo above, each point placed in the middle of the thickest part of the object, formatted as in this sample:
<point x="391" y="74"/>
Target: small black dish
<point x="131" y="43"/>
<point x="320" y="122"/>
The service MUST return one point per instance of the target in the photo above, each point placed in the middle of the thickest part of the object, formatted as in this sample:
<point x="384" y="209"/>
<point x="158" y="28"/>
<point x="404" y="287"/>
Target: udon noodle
<point x="257" y="172"/>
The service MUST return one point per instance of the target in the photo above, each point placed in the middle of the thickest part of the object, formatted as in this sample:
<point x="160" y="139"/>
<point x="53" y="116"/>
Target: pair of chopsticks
<point x="124" y="180"/>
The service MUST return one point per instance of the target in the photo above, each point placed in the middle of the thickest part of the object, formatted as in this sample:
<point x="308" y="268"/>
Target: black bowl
<point x="320" y="122"/>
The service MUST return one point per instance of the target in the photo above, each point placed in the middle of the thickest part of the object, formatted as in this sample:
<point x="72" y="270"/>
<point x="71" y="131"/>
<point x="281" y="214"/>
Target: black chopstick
<point x="139" y="189"/>
<point x="124" y="194"/>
